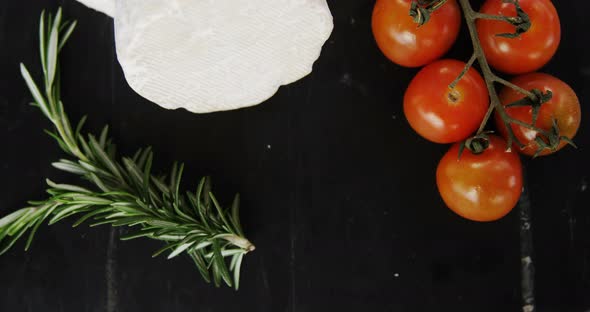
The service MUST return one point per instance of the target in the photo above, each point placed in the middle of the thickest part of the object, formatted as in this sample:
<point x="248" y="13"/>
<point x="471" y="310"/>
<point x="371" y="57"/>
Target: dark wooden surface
<point x="338" y="193"/>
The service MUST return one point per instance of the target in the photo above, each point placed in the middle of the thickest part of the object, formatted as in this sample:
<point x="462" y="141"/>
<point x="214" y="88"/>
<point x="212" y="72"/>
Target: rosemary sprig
<point x="125" y="192"/>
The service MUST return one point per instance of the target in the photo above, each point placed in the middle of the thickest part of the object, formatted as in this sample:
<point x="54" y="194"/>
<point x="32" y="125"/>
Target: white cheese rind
<point x="105" y="6"/>
<point x="215" y="55"/>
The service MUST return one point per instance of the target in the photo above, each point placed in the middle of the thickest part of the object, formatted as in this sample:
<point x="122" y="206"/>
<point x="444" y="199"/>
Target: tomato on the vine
<point x="482" y="187"/>
<point x="439" y="113"/>
<point x="532" y="49"/>
<point x="406" y="44"/>
<point x="564" y="107"/>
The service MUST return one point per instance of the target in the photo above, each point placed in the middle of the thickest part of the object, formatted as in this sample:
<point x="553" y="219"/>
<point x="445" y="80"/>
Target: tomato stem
<point x="436" y="5"/>
<point x="516" y="88"/>
<point x="508" y="19"/>
<point x="491" y="78"/>
<point x="528" y="126"/>
<point x="482" y="126"/>
<point x="465" y="70"/>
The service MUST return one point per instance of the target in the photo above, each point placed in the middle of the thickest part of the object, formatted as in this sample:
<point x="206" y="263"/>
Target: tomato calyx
<point x="476" y="144"/>
<point x="421" y="10"/>
<point x="408" y="44"/>
<point x="551" y="140"/>
<point x="522" y="21"/>
<point x="546" y="139"/>
<point x="535" y="102"/>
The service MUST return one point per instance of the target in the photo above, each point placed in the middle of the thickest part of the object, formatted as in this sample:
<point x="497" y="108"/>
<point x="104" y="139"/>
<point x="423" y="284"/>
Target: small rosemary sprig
<point x="125" y="192"/>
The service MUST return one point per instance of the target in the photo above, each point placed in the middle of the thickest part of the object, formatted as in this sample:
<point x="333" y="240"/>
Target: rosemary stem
<point x="240" y="242"/>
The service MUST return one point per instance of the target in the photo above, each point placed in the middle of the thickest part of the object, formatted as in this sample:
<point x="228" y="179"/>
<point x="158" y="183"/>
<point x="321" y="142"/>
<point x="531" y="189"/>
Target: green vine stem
<point x="534" y="98"/>
<point x="490" y="78"/>
<point x="546" y="139"/>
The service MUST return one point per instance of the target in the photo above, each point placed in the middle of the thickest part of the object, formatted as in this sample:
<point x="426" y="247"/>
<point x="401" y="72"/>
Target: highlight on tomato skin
<point x="564" y="107"/>
<point x="483" y="187"/>
<point x="441" y="114"/>
<point x="532" y="49"/>
<point x="406" y="44"/>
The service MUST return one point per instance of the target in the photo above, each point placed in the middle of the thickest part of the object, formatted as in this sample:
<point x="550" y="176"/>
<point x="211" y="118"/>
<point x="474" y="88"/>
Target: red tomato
<point x="564" y="106"/>
<point x="406" y="44"/>
<point x="441" y="114"/>
<point x="482" y="187"/>
<point x="527" y="53"/>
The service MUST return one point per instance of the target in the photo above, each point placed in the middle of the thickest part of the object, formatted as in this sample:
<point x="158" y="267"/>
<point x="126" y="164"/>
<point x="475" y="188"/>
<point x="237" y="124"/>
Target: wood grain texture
<point x="338" y="193"/>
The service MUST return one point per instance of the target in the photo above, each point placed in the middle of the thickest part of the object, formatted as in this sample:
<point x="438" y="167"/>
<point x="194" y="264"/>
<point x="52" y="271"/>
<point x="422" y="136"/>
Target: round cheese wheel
<point x="215" y="55"/>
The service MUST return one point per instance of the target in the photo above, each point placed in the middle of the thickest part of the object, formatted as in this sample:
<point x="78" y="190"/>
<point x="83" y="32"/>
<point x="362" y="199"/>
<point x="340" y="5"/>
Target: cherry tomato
<point x="482" y="187"/>
<point x="406" y="44"/>
<point x="564" y="106"/>
<point x="441" y="114"/>
<point x="532" y="49"/>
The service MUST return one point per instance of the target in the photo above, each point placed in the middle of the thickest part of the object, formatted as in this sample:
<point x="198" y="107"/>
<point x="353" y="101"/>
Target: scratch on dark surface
<point x="583" y="185"/>
<point x="585" y="258"/>
<point x="111" y="272"/>
<point x="526" y="250"/>
<point x="571" y="219"/>
<point x="264" y="277"/>
<point x="293" y="222"/>
<point x="569" y="208"/>
<point x="346" y="79"/>
<point x="293" y="239"/>
<point x="309" y="89"/>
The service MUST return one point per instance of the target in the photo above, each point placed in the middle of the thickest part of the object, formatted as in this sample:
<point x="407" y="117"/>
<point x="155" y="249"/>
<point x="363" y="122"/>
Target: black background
<point x="338" y="192"/>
